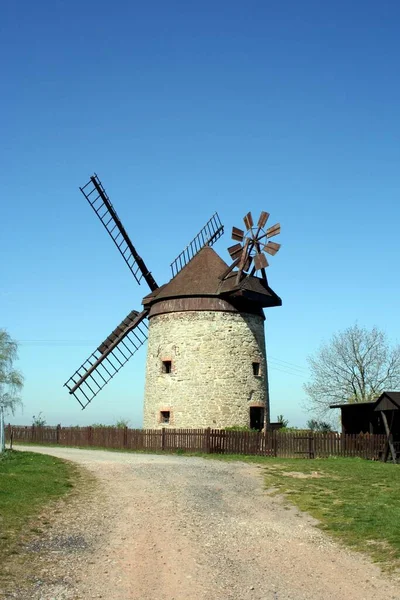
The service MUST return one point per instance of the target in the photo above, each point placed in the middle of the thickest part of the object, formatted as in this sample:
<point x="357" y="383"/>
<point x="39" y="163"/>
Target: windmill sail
<point x="95" y="194"/>
<point x="109" y="358"/>
<point x="207" y="236"/>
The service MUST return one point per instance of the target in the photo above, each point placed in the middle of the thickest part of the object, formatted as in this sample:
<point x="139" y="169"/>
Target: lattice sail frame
<point x="207" y="236"/>
<point x="96" y="195"/>
<point x="108" y="358"/>
<point x="253" y="243"/>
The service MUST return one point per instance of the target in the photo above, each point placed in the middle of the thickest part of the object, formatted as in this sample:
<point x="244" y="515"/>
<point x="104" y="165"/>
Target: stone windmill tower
<point x="206" y="359"/>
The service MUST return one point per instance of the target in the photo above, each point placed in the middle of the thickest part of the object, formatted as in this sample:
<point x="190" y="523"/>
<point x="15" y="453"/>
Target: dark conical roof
<point x="202" y="276"/>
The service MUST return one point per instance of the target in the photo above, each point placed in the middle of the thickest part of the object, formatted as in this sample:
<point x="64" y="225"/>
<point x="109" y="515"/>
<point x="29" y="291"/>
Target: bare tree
<point x="357" y="365"/>
<point x="11" y="381"/>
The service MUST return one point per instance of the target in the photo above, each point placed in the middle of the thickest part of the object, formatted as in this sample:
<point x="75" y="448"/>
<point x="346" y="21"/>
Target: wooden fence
<point x="286" y="444"/>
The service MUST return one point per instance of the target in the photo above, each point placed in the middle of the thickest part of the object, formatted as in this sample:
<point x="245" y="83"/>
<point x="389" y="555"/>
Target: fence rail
<point x="274" y="443"/>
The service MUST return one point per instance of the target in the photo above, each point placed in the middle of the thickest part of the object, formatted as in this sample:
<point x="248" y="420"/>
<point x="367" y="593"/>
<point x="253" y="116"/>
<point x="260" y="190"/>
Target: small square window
<point x="166" y="366"/>
<point x="165" y="416"/>
<point x="256" y="369"/>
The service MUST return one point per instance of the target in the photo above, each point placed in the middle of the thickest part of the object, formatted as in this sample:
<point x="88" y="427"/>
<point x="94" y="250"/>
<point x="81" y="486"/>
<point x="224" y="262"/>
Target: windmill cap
<point x="202" y="277"/>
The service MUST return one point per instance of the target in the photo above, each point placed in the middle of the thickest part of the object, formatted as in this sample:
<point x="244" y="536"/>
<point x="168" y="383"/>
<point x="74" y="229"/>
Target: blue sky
<point x="184" y="108"/>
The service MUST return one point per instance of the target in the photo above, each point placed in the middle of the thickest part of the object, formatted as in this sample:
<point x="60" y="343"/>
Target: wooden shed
<point x="381" y="416"/>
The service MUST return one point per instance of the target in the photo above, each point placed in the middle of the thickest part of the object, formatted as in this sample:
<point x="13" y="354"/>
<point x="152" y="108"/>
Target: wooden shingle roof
<point x="202" y="277"/>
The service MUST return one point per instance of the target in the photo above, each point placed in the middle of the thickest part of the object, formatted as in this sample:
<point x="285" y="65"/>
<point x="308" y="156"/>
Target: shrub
<point x="39" y="421"/>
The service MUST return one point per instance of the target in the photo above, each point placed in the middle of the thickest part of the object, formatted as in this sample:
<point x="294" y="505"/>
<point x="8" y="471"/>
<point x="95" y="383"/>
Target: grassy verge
<point x="28" y="481"/>
<point x="355" y="500"/>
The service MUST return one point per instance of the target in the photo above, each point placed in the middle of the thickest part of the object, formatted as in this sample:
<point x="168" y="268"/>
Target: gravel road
<point x="174" y="527"/>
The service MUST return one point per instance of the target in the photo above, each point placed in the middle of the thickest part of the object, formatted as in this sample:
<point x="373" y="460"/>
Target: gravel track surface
<point x="162" y="527"/>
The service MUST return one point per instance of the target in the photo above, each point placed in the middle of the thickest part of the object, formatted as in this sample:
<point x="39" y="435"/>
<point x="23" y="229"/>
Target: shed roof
<point x="388" y="401"/>
<point x="378" y="404"/>
<point x="353" y="404"/>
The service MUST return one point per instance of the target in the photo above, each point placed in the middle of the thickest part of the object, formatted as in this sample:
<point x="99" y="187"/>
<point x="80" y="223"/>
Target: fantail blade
<point x="272" y="248"/>
<point x="260" y="262"/>
<point x="237" y="234"/>
<point x="274" y="230"/>
<point x="263" y="219"/>
<point x="235" y="251"/>
<point x="248" y="220"/>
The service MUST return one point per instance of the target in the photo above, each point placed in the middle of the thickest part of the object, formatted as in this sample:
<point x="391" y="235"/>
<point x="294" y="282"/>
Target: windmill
<point x="115" y="351"/>
<point x="206" y="358"/>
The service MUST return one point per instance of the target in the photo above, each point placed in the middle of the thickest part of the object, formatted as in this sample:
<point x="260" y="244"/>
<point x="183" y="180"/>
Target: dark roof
<point x="353" y="404"/>
<point x="250" y="288"/>
<point x="202" y="277"/>
<point x="199" y="277"/>
<point x="388" y="401"/>
<point x="393" y="396"/>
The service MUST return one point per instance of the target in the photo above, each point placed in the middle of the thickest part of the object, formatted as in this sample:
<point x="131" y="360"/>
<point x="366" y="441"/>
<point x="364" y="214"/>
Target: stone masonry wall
<point x="212" y="382"/>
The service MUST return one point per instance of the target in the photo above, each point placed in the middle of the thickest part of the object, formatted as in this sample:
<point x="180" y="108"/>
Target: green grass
<point x="28" y="481"/>
<point x="355" y="500"/>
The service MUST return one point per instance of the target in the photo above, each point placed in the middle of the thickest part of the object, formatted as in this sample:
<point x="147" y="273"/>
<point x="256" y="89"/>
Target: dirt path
<point x="175" y="528"/>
